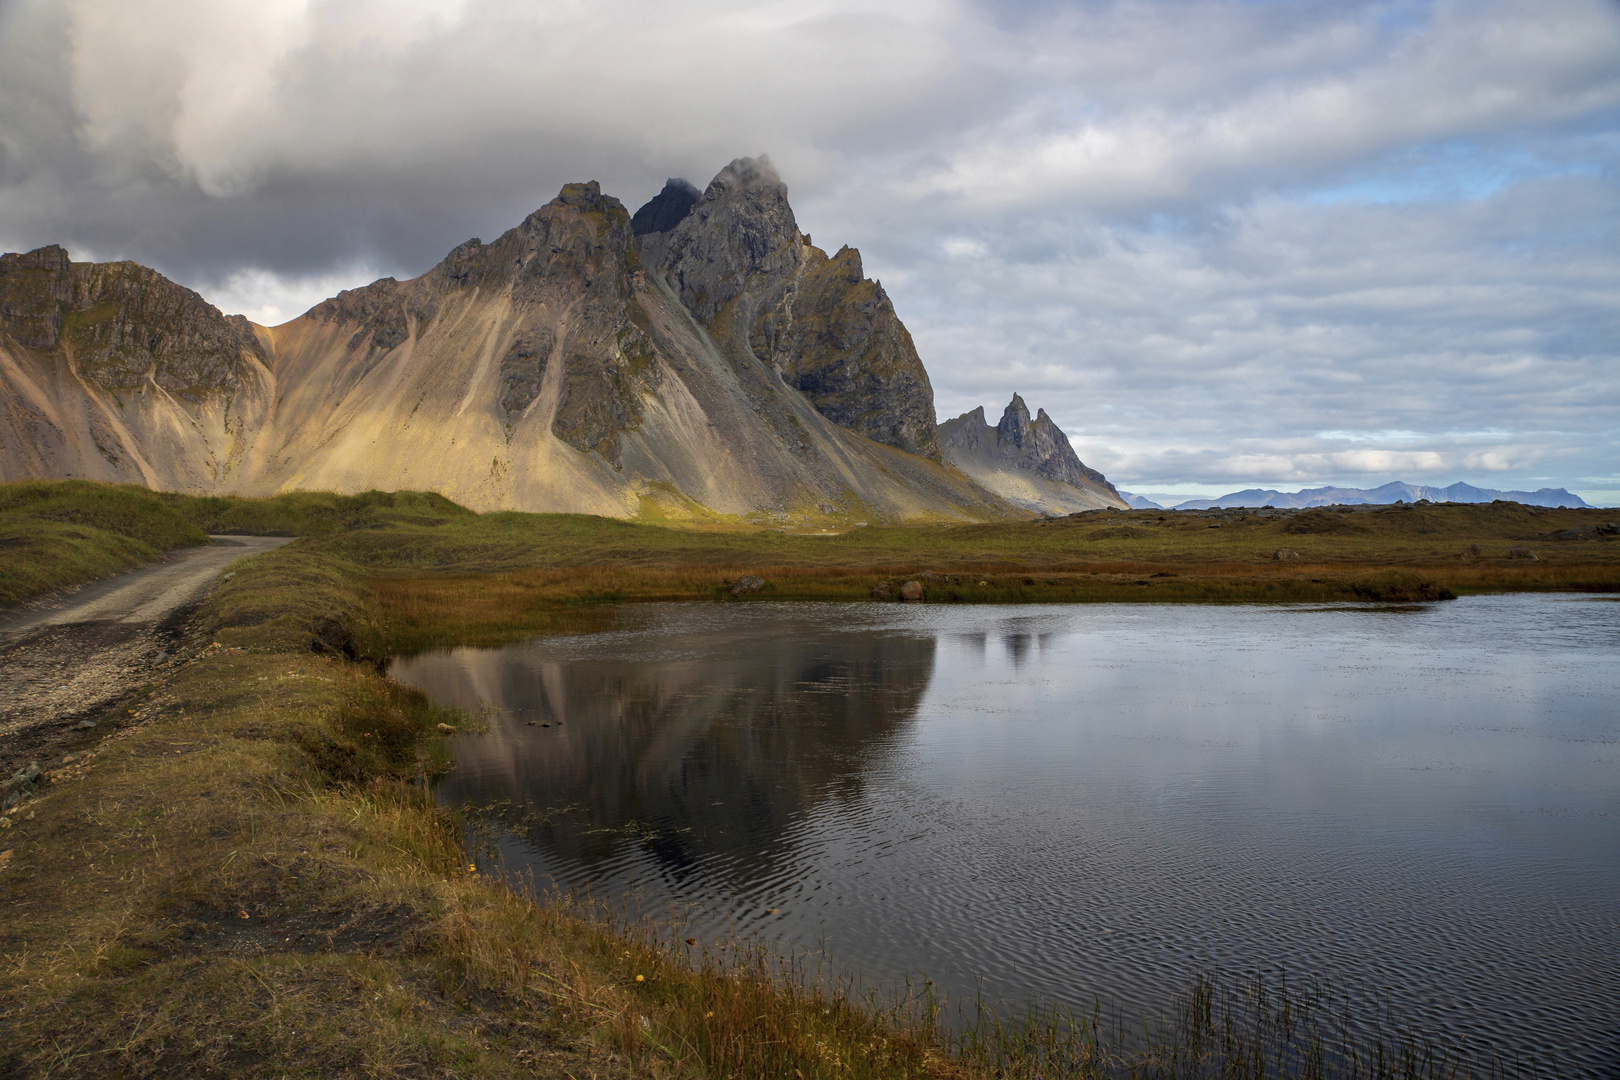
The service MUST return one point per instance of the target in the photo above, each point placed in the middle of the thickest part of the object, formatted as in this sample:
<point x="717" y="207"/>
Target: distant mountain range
<point x="1392" y="492"/>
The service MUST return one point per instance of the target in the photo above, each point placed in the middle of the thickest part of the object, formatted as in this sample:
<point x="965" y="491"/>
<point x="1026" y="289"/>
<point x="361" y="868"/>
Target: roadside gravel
<point x="74" y="665"/>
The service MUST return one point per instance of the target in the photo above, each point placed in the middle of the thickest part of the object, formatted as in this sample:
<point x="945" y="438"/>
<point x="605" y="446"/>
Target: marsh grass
<point x="1238" y="1029"/>
<point x="574" y="560"/>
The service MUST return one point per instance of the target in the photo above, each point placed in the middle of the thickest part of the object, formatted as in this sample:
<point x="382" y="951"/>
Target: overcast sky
<point x="1224" y="243"/>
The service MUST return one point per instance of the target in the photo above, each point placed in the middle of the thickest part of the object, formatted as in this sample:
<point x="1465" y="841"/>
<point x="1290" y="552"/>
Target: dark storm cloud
<point x="1221" y="242"/>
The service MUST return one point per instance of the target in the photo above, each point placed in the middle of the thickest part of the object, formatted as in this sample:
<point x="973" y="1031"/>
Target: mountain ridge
<point x="718" y="365"/>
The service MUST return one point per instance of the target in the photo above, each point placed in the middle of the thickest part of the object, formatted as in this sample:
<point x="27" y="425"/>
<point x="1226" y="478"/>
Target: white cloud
<point x="271" y="299"/>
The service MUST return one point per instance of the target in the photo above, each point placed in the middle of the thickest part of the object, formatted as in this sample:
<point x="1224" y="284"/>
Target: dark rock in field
<point x="1285" y="555"/>
<point x="1522" y="553"/>
<point x="746" y="584"/>
<point x="912" y="591"/>
<point x="882" y="591"/>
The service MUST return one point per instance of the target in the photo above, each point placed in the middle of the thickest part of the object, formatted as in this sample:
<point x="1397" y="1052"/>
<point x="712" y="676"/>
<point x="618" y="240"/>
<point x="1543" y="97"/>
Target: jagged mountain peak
<point x="738" y="262"/>
<point x="744" y="173"/>
<point x="123" y="325"/>
<point x="1027" y="461"/>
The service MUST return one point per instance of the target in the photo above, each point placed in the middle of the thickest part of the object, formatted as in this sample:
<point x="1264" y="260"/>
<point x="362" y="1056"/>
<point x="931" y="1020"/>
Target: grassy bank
<point x="55" y="534"/>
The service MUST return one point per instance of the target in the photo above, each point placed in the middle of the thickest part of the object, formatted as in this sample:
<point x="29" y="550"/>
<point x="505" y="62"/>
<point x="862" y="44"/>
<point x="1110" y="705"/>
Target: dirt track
<point x="69" y="663"/>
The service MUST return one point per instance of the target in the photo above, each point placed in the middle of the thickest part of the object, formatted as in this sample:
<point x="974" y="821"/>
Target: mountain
<point x="1394" y="491"/>
<point x="699" y="358"/>
<point x="1028" y="462"/>
<point x="1139" y="502"/>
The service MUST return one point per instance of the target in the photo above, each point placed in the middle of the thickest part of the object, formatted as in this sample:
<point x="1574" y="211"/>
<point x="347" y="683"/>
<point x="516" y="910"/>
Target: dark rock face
<point x="123" y="324"/>
<point x="846" y="350"/>
<point x="667" y="209"/>
<point x="739" y="264"/>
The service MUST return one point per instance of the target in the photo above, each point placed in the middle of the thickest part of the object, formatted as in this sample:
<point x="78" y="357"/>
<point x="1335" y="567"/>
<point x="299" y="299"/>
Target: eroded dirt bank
<point x="70" y="663"/>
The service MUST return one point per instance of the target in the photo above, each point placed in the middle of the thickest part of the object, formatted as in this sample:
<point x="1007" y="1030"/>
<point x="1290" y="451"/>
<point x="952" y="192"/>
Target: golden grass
<point x="253" y="882"/>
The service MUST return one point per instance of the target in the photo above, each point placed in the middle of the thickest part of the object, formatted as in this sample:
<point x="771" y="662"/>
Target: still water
<point x="1096" y="800"/>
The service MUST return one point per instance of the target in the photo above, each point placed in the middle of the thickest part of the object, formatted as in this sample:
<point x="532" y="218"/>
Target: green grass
<point x="55" y="534"/>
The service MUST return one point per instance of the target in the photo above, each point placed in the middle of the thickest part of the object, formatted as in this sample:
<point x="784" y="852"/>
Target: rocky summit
<point x="1027" y="462"/>
<point x="698" y="359"/>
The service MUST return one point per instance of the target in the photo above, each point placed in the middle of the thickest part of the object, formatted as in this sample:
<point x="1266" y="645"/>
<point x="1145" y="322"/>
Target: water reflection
<point x="716" y="749"/>
<point x="1420" y="800"/>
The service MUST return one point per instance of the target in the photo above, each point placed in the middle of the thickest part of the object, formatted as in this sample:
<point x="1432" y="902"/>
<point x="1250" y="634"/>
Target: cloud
<point x="1220" y="241"/>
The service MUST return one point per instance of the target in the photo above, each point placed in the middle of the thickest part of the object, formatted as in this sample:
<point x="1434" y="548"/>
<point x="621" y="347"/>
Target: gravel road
<point x="67" y="664"/>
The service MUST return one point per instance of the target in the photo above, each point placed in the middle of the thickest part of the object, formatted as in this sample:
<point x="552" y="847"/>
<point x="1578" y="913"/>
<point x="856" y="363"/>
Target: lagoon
<point x="1094" y="802"/>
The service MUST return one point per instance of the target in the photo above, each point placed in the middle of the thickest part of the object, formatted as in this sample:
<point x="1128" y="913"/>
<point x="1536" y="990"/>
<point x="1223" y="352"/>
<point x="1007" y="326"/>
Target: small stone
<point x="447" y="729"/>
<point x="911" y="591"/>
<point x="746" y="584"/>
<point x="1285" y="555"/>
<point x="84" y="725"/>
<point x="1522" y="553"/>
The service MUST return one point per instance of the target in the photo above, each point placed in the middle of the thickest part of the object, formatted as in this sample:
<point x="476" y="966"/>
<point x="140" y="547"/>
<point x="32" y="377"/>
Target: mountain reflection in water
<point x="716" y="749"/>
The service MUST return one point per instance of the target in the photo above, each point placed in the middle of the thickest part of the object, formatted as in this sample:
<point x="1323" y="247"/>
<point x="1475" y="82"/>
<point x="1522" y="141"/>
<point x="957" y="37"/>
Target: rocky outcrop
<point x="740" y="265"/>
<point x="667" y="209"/>
<point x="109" y="371"/>
<point x="122" y="325"/>
<point x="1028" y="462"/>
<point x="714" y="365"/>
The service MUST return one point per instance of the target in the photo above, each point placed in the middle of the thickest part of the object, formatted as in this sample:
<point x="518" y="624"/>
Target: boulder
<point x="1522" y="553"/>
<point x="912" y="591"/>
<point x="1285" y="555"/>
<point x="882" y="591"/>
<point x="746" y="584"/>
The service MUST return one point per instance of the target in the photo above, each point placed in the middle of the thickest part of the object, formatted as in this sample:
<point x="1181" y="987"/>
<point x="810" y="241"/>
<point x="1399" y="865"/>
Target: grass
<point x="55" y="534"/>
<point x="252" y="879"/>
